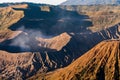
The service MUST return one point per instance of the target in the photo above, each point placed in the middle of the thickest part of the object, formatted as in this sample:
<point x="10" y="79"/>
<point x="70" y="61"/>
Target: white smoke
<point x="27" y="39"/>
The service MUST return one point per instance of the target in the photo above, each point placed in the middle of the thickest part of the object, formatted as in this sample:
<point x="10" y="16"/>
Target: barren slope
<point x="8" y="17"/>
<point x="100" y="63"/>
<point x="101" y="16"/>
<point x="25" y="64"/>
<point x="49" y="53"/>
<point x="56" y="43"/>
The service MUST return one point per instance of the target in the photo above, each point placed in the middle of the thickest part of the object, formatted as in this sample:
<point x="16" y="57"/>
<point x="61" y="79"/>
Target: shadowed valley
<point x="36" y="39"/>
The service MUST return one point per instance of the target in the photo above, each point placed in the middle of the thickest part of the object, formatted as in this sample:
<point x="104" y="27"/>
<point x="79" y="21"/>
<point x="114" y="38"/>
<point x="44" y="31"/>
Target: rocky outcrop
<point x="8" y="17"/>
<point x="56" y="43"/>
<point x="45" y="8"/>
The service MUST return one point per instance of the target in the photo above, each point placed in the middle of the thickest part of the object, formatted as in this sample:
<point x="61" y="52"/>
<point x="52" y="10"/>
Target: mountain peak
<point x="91" y="2"/>
<point x="100" y="63"/>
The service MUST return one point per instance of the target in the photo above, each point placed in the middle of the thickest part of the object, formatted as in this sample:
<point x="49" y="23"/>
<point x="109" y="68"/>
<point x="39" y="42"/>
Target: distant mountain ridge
<point x="91" y="2"/>
<point x="21" y="3"/>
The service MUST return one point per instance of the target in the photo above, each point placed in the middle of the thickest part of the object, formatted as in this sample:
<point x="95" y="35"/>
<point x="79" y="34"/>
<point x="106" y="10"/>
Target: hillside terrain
<point x="101" y="16"/>
<point x="38" y="38"/>
<point x="99" y="63"/>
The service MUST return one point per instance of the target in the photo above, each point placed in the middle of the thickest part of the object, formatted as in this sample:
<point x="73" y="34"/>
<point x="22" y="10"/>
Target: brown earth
<point x="100" y="63"/>
<point x="102" y="16"/>
<point x="25" y="64"/>
<point x="67" y="47"/>
<point x="8" y="17"/>
<point x="56" y="43"/>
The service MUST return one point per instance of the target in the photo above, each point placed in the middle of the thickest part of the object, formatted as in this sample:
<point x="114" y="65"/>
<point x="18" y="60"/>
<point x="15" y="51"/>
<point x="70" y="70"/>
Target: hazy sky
<point x="54" y="2"/>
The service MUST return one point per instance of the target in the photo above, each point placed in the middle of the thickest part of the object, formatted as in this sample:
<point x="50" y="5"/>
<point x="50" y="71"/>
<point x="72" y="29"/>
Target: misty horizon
<point x="35" y="1"/>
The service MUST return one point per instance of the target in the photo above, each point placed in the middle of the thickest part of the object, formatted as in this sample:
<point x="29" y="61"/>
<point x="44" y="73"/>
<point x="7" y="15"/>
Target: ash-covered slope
<point x="52" y="53"/>
<point x="91" y="2"/>
<point x="49" y="52"/>
<point x="25" y="64"/>
<point x="100" y="63"/>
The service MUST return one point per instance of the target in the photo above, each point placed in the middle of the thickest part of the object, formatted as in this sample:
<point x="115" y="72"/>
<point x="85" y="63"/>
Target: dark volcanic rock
<point x="99" y="63"/>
